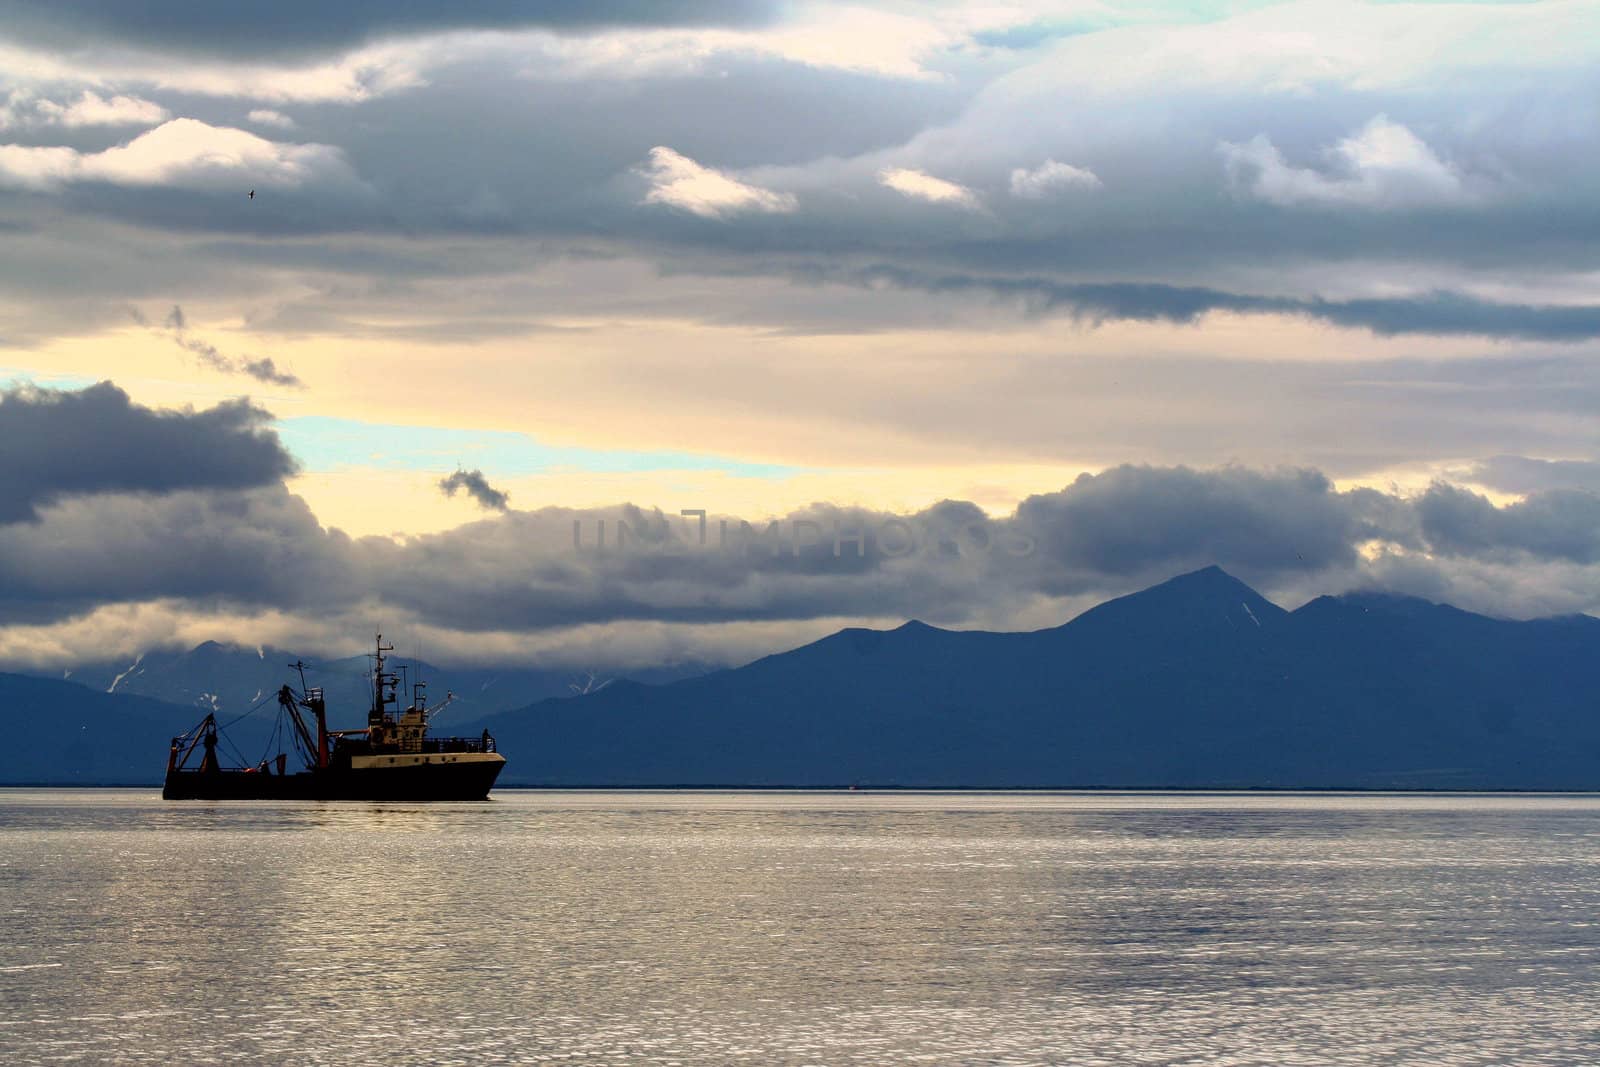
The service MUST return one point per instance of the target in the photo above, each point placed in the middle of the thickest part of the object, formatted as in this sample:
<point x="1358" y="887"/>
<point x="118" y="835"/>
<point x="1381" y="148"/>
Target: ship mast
<point x="383" y="685"/>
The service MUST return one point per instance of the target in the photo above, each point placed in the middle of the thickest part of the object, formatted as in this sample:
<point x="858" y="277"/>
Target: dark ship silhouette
<point x="391" y="758"/>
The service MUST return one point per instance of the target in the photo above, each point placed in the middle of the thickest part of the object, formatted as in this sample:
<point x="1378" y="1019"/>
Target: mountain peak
<point x="1212" y="577"/>
<point x="1207" y="583"/>
<point x="1384" y="604"/>
<point x="1195" y="601"/>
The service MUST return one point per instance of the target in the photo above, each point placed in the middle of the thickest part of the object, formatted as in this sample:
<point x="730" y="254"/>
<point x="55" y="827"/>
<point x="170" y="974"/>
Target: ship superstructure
<point x="392" y="757"/>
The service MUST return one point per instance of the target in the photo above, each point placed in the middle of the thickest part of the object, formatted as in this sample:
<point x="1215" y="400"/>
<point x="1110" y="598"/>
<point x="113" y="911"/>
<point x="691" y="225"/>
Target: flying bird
<point x="252" y="194"/>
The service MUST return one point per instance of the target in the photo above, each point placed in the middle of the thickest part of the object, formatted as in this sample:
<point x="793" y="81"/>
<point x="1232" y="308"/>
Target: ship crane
<point x="429" y="713"/>
<point x="316" y="752"/>
<point x="419" y="702"/>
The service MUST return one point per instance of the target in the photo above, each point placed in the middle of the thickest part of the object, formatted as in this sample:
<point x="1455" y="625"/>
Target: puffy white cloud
<point x="1382" y="165"/>
<point x="91" y="109"/>
<point x="354" y="78"/>
<point x="183" y="152"/>
<point x="850" y="37"/>
<point x="37" y="167"/>
<point x="678" y="181"/>
<point x="920" y="186"/>
<point x="1050" y="178"/>
<point x="823" y="36"/>
<point x="24" y="108"/>
<point x="263" y="116"/>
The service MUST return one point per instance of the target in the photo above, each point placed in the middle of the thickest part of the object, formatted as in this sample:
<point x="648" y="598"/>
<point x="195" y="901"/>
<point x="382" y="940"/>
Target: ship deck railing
<point x="358" y="745"/>
<point x="451" y="744"/>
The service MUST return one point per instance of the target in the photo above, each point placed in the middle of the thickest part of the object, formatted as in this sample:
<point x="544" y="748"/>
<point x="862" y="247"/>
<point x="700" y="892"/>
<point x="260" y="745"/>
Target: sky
<point x="977" y="313"/>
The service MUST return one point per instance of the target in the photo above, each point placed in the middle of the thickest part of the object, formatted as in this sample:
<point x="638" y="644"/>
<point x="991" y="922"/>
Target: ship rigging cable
<point x="259" y="704"/>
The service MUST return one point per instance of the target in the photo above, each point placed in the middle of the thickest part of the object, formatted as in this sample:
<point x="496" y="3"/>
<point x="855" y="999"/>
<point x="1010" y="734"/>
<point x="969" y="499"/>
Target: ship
<point x="392" y="757"/>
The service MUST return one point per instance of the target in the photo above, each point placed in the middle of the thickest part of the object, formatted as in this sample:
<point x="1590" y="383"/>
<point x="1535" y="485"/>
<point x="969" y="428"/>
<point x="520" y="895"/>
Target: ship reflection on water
<point x="804" y="927"/>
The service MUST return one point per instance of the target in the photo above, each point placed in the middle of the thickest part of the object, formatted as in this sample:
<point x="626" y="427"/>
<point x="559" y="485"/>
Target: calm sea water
<point x="777" y="928"/>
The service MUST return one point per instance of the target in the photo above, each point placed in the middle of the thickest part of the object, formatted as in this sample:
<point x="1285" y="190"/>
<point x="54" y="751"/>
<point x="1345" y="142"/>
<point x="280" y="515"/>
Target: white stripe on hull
<point x="414" y="759"/>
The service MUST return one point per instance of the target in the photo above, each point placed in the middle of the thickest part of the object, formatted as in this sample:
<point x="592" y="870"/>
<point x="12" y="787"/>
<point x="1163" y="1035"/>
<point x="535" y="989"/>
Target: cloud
<point x="1381" y="166"/>
<point x="1522" y="474"/>
<point x="919" y="186"/>
<point x="1049" y="179"/>
<point x="263" y="369"/>
<point x="259" y="547"/>
<point x="24" y="108"/>
<point x="1561" y="524"/>
<point x="1099" y="302"/>
<point x="263" y="116"/>
<point x="1158" y="220"/>
<point x="38" y="168"/>
<point x="475" y="485"/>
<point x="90" y="109"/>
<point x="61" y="444"/>
<point x="14" y="109"/>
<point x="477" y="234"/>
<point x="548" y="572"/>
<point x="680" y="182"/>
<point x="1145" y="521"/>
<point x="296" y="26"/>
<point x="1113" y="531"/>
<point x="184" y="152"/>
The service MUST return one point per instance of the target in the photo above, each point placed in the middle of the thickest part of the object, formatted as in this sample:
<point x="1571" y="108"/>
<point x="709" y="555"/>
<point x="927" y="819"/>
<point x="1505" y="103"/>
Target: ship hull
<point x="460" y="779"/>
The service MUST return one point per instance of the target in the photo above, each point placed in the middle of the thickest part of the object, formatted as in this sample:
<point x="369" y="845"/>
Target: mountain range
<point x="109" y="722"/>
<point x="230" y="679"/>
<point x="1199" y="682"/>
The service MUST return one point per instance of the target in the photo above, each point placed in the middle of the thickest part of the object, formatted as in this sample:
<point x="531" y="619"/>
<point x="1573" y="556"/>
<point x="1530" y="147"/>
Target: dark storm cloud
<point x="534" y="571"/>
<point x="296" y="26"/>
<point x="1439" y="313"/>
<point x="475" y="485"/>
<point x="1454" y="313"/>
<point x="1521" y="474"/>
<point x="1136" y="520"/>
<point x="950" y="562"/>
<point x="1558" y="524"/>
<point x="260" y="547"/>
<point x="545" y="570"/>
<point x="60" y="444"/>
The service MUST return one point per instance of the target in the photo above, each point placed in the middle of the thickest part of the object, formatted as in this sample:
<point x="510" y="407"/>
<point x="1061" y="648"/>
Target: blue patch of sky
<point x="323" y="443"/>
<point x="1032" y="34"/>
<point x="12" y="377"/>
<point x="1140" y="12"/>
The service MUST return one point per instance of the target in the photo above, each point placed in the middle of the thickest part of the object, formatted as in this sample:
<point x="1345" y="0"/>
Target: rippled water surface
<point x="762" y="928"/>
